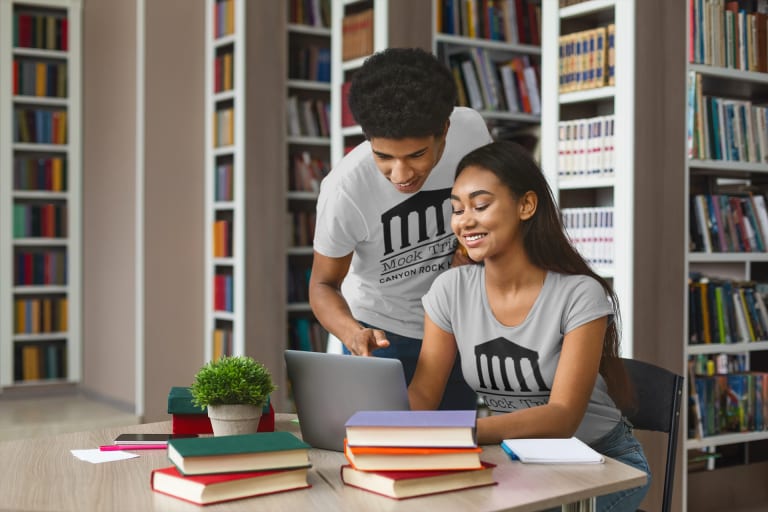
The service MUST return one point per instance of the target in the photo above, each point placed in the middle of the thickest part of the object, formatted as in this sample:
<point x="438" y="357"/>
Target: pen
<point x="130" y="447"/>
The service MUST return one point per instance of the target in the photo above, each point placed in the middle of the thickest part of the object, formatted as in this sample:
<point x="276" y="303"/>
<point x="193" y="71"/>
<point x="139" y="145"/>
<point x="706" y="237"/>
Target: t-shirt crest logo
<point x="503" y="349"/>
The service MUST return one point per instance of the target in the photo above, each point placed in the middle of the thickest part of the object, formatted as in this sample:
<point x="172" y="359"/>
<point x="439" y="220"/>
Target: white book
<point x="473" y="85"/>
<point x="531" y="82"/>
<point x="552" y="451"/>
<point x="762" y="214"/>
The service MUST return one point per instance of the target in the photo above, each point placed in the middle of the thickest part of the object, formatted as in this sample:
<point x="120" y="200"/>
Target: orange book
<point x="385" y="458"/>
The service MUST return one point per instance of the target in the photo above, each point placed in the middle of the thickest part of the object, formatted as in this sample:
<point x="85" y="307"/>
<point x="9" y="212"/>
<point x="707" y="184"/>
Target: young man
<point x="383" y="216"/>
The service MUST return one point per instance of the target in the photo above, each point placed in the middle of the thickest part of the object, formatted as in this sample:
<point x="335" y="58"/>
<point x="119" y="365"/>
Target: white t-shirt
<point x="400" y="241"/>
<point x="513" y="368"/>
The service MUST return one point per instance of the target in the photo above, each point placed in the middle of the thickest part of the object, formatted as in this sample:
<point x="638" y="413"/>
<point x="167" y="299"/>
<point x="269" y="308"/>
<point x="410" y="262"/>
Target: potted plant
<point x="234" y="389"/>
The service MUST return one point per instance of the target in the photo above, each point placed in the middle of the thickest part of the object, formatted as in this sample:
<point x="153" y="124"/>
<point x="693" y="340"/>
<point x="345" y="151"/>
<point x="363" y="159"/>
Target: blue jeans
<point x="620" y="444"/>
<point x="457" y="395"/>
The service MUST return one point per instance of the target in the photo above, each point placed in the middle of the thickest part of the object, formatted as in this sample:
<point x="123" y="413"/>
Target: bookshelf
<point x="495" y="55"/>
<point x="598" y="193"/>
<point x="40" y="189"/>
<point x="394" y="23"/>
<point x="245" y="298"/>
<point x="722" y="165"/>
<point x="308" y="152"/>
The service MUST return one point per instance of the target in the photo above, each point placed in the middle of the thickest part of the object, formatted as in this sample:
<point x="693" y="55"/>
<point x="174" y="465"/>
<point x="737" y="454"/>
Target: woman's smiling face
<point x="486" y="215"/>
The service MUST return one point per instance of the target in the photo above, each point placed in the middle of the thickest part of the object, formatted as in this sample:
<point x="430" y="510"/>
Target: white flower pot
<point x="232" y="419"/>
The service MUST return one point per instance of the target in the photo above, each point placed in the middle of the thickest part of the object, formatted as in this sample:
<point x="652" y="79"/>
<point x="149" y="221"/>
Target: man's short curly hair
<point x="402" y="92"/>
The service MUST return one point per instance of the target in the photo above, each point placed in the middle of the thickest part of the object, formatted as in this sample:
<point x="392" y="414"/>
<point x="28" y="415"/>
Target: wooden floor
<point x="38" y="416"/>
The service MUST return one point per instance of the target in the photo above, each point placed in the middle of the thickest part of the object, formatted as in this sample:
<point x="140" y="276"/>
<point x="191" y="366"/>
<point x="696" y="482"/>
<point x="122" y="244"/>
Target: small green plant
<point x="232" y="380"/>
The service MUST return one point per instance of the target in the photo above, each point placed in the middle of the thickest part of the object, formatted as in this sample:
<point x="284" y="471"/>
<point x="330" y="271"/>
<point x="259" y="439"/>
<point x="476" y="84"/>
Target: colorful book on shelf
<point x="412" y="428"/>
<point x="409" y="484"/>
<point x="187" y="418"/>
<point x="244" y="452"/>
<point x="410" y="458"/>
<point x="551" y="451"/>
<point x="216" y="488"/>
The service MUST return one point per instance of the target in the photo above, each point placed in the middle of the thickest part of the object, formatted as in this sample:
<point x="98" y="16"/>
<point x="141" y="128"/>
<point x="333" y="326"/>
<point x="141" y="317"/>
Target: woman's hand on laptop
<point x="366" y="340"/>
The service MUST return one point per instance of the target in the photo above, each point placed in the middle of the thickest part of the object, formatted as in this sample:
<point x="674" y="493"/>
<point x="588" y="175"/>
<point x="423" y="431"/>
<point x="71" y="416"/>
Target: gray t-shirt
<point x="400" y="241"/>
<point x="513" y="368"/>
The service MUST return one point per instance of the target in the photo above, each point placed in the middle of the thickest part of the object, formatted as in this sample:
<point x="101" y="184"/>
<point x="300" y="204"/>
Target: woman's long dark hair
<point x="547" y="245"/>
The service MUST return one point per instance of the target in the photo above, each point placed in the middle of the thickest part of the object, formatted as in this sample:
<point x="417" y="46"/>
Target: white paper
<point x="95" y="456"/>
<point x="553" y="451"/>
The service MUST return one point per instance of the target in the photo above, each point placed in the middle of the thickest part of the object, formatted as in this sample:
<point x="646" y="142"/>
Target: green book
<point x="180" y="402"/>
<point x="244" y="452"/>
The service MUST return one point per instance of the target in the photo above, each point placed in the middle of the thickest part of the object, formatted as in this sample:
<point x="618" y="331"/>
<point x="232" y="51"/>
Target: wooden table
<point x="42" y="475"/>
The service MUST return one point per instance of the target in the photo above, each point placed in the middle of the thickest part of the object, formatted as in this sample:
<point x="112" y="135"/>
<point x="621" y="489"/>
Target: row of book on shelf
<point x="727" y="399"/>
<point x="39" y="361"/>
<point x="223" y="289"/>
<point x="305" y="333"/>
<point x="47" y="220"/>
<point x="302" y="227"/>
<point x="585" y="147"/>
<point x="487" y="83"/>
<point x="314" y="13"/>
<point x="590" y="231"/>
<point x="222" y="343"/>
<point x="308" y="117"/>
<point x="729" y="223"/>
<point x="310" y="62"/>
<point x="223" y="18"/>
<point x="41" y="126"/>
<point x="40" y="315"/>
<point x="357" y="34"/>
<point x="729" y="33"/>
<point x="726" y="311"/>
<point x="40" y="267"/>
<point x="36" y="78"/>
<point x="223" y="181"/>
<point x="298" y="282"/>
<point x="724" y="128"/>
<point x="511" y="21"/>
<point x="47" y="173"/>
<point x="586" y="59"/>
<point x="223" y="71"/>
<point x="224" y="127"/>
<point x="40" y="31"/>
<point x="307" y="171"/>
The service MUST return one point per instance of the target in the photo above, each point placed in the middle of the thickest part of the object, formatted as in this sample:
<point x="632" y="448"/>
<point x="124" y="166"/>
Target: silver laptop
<point x="329" y="388"/>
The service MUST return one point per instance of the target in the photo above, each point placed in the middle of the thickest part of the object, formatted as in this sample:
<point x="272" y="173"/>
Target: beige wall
<point x="172" y="200"/>
<point x="109" y="266"/>
<point x="173" y="193"/>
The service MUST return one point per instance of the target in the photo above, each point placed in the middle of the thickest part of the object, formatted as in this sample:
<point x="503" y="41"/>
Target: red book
<point x="64" y="34"/>
<point x="216" y="488"/>
<point x="409" y="484"/>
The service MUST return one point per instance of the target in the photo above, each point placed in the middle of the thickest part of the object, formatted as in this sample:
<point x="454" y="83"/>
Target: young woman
<point x="536" y="330"/>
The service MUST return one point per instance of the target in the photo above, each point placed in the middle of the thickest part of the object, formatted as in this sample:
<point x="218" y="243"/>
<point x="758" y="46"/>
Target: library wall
<point x="173" y="199"/>
<point x="109" y="127"/>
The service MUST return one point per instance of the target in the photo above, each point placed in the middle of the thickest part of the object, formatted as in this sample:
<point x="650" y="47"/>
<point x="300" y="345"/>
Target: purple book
<point x="412" y="428"/>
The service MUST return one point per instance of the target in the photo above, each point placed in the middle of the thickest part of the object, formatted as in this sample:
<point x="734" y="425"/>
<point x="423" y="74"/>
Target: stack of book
<point x="224" y="468"/>
<point x="403" y="454"/>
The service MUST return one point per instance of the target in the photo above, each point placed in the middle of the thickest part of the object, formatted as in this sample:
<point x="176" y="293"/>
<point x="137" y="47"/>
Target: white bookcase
<point x="308" y="152"/>
<point x="40" y="192"/>
<point x="245" y="146"/>
<point x="707" y="173"/>
<point x="614" y="191"/>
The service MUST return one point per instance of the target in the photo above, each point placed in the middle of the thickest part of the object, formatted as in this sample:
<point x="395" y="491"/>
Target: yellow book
<point x="21" y="315"/>
<point x="41" y="78"/>
<point x="600" y="56"/>
<point x="218" y="344"/>
<point x="35" y="312"/>
<point x="63" y="314"/>
<point x="47" y="315"/>
<point x="227" y="78"/>
<point x="30" y="360"/>
<point x="57" y="174"/>
<point x="704" y="285"/>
